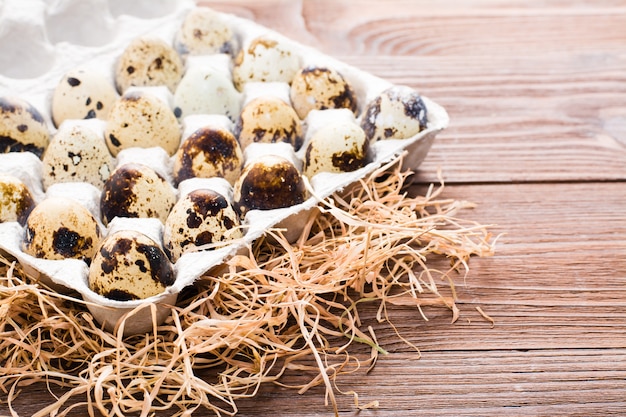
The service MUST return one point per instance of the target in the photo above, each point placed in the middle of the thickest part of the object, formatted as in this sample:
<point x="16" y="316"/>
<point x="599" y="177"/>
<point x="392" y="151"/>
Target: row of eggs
<point x="128" y="265"/>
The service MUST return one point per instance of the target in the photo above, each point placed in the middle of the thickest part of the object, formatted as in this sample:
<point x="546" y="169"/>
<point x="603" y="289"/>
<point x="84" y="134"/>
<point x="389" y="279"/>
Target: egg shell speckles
<point x="148" y="61"/>
<point x="77" y="153"/>
<point x="320" y="88"/>
<point x="204" y="90"/>
<point x="265" y="60"/>
<point x="268" y="120"/>
<point x="398" y="113"/>
<point x="200" y="218"/>
<point x="338" y="147"/>
<point x="16" y="201"/>
<point x="61" y="228"/>
<point x="203" y="31"/>
<point x="268" y="182"/>
<point x="82" y="94"/>
<point x="135" y="190"/>
<point x="22" y="128"/>
<point x="128" y="265"/>
<point x="140" y="119"/>
<point x="209" y="152"/>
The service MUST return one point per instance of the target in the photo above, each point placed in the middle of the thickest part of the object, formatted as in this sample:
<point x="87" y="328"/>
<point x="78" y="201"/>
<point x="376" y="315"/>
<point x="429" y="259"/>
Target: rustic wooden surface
<point x="536" y="92"/>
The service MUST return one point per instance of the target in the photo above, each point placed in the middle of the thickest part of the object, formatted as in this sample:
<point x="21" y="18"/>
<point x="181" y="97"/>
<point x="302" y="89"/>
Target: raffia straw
<point x="270" y="311"/>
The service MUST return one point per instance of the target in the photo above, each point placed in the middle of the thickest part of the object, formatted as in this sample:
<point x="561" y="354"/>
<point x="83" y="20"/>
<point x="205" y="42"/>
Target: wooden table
<point x="536" y="92"/>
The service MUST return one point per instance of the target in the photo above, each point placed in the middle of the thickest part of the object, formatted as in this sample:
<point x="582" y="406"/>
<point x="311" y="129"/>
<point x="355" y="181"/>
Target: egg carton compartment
<point x="38" y="28"/>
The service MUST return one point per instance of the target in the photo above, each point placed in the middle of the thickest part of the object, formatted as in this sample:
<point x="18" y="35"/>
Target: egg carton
<point x="41" y="41"/>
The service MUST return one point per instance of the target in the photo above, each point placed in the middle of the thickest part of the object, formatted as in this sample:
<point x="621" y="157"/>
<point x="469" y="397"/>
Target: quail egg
<point x="61" y="228"/>
<point x="77" y="153"/>
<point x="136" y="190"/>
<point x="268" y="182"/>
<point x="22" y="128"/>
<point x="140" y="119"/>
<point x="82" y="94"/>
<point x="265" y="60"/>
<point x="200" y="218"/>
<point x="337" y="147"/>
<point x="148" y="61"/>
<point x="209" y="152"/>
<point x="129" y="265"/>
<point x="269" y="120"/>
<point x="398" y="113"/>
<point x="16" y="201"/>
<point x="319" y="88"/>
<point x="204" y="90"/>
<point x="204" y="32"/>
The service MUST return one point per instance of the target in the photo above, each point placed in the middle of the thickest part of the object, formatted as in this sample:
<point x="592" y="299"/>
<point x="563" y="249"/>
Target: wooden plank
<point x="505" y="383"/>
<point x="550" y="110"/>
<point x="557" y="343"/>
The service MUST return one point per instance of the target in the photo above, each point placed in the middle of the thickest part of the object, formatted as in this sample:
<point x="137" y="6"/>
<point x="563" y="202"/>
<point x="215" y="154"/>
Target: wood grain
<point x="536" y="93"/>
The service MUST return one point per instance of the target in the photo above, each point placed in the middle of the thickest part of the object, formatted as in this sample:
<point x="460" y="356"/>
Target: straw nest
<point x="253" y="319"/>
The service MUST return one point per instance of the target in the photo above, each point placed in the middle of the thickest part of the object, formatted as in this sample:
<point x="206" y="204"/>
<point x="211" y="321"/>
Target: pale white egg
<point x="338" y="147"/>
<point x="77" y="153"/>
<point x="82" y="94"/>
<point x="141" y="119"/>
<point x="265" y="60"/>
<point x="398" y="113"/>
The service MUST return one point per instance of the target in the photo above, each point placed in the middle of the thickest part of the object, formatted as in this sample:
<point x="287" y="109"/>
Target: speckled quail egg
<point x="268" y="182"/>
<point x="200" y="218"/>
<point x="82" y="94"/>
<point x="136" y="190"/>
<point x="140" y="119"/>
<point x="319" y="88"/>
<point x="129" y="265"/>
<point x="61" y="228"/>
<point x="77" y="153"/>
<point x="22" y="128"/>
<point x="337" y="147"/>
<point x="148" y="61"/>
<point x="204" y="90"/>
<point x="204" y="32"/>
<point x="268" y="120"/>
<point x="209" y="152"/>
<point x="265" y="60"/>
<point x="16" y="201"/>
<point x="398" y="113"/>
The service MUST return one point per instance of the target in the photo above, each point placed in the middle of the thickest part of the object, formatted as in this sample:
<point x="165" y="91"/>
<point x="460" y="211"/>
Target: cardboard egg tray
<point x="51" y="38"/>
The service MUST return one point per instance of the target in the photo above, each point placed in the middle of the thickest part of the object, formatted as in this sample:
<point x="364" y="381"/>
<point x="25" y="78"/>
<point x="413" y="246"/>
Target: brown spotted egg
<point x="398" y="113"/>
<point x="200" y="218"/>
<point x="268" y="182"/>
<point x="129" y="265"/>
<point x="337" y="147"/>
<point x="61" y="228"/>
<point x="204" y="32"/>
<point x="209" y="152"/>
<point x="265" y="60"/>
<point x="22" y="128"/>
<point x="148" y="61"/>
<point x="136" y="190"/>
<point x="82" y="94"/>
<point x="16" y="201"/>
<point x="77" y="153"/>
<point x="320" y="88"/>
<point x="140" y="119"/>
<point x="268" y="120"/>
